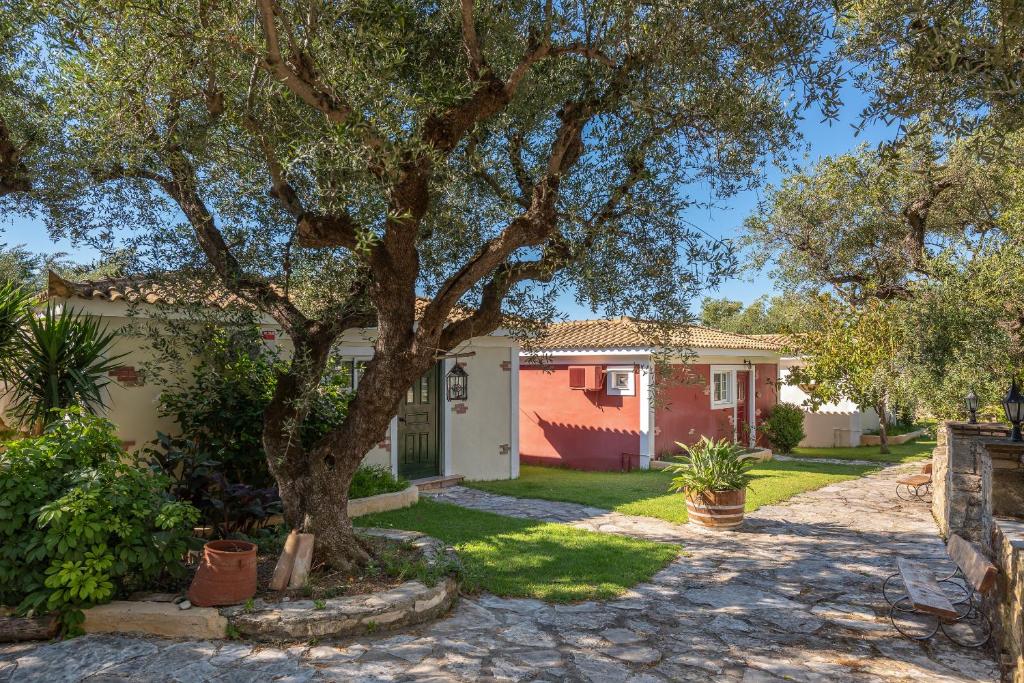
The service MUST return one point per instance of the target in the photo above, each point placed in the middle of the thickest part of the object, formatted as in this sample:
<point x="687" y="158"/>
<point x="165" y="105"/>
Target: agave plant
<point x="64" y="361"/>
<point x="711" y="466"/>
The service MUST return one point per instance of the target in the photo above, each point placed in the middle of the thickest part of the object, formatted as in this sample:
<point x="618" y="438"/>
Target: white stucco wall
<point x="483" y="440"/>
<point x="839" y="424"/>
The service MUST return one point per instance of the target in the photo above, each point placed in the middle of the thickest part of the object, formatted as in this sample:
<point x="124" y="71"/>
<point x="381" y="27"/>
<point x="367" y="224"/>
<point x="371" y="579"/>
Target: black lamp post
<point x="971" y="400"/>
<point x="1013" y="405"/>
<point x="457" y="382"/>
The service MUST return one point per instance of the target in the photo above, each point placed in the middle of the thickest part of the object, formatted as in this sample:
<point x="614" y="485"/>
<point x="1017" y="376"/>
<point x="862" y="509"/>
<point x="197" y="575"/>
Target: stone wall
<point x="977" y="475"/>
<point x="1007" y="607"/>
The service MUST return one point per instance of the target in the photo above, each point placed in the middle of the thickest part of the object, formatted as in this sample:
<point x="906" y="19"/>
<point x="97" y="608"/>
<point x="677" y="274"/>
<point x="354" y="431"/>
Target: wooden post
<point x="27" y="628"/>
<point x="283" y="570"/>
<point x="303" y="561"/>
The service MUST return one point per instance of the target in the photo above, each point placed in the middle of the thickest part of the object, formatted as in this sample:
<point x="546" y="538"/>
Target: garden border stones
<point x="413" y="602"/>
<point x="382" y="502"/>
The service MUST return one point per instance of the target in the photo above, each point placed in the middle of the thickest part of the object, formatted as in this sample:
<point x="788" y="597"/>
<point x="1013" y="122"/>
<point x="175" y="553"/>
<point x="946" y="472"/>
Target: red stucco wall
<point x="572" y="428"/>
<point x="684" y="414"/>
<point x="591" y="430"/>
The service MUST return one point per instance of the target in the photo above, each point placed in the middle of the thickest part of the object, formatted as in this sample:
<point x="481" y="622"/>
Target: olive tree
<point x="486" y="156"/>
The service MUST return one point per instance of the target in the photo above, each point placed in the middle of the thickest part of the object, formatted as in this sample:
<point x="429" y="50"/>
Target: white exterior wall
<point x="480" y="434"/>
<point x="833" y="425"/>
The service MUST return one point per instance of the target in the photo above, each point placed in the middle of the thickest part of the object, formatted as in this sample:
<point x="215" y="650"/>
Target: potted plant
<point x="713" y="476"/>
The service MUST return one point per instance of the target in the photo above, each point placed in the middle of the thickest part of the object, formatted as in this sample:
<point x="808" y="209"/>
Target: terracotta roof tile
<point x="624" y="333"/>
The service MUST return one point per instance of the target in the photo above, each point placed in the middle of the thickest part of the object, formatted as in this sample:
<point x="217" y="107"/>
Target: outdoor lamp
<point x="457" y="382"/>
<point x="972" y="407"/>
<point x="1013" y="405"/>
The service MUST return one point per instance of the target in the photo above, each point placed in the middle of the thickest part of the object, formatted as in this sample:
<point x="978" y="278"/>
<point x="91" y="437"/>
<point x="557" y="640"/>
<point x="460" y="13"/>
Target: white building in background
<point x="837" y="425"/>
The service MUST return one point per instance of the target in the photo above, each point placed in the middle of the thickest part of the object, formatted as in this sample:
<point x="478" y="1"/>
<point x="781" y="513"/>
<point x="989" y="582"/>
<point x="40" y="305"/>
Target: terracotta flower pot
<point x="716" y="509"/>
<point x="226" y="574"/>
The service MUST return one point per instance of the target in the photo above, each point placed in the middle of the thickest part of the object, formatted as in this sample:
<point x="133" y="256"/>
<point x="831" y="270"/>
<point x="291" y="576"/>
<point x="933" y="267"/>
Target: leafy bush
<point x="711" y="466"/>
<point x="218" y="463"/>
<point x="78" y="525"/>
<point x="62" y="360"/>
<point x="371" y="480"/>
<point x="196" y="476"/>
<point x="220" y="407"/>
<point x="784" y="427"/>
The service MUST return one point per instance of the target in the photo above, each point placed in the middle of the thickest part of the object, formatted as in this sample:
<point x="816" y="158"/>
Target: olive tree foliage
<point x="858" y="353"/>
<point x="869" y="224"/>
<point x="785" y="313"/>
<point x="360" y="153"/>
<point x="935" y="233"/>
<point x="956" y="62"/>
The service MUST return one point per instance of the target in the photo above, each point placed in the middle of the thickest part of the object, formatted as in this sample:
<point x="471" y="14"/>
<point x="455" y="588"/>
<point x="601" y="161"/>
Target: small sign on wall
<point x="269" y="335"/>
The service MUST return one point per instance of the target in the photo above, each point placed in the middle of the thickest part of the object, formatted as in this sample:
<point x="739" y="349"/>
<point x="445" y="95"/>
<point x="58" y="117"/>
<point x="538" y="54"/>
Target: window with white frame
<point x="723" y="393"/>
<point x="620" y="381"/>
<point x="350" y="370"/>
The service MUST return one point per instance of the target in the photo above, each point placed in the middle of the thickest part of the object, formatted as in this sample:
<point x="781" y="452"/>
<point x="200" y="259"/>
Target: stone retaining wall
<point x="969" y="463"/>
<point x="1008" y="607"/>
<point x="876" y="440"/>
<point x="412" y="602"/>
<point x="357" y="507"/>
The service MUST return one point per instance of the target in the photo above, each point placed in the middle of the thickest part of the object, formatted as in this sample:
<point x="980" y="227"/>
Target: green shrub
<point x="78" y="525"/>
<point x="784" y="427"/>
<point x="371" y="480"/>
<point x="220" y="407"/>
<point x="711" y="466"/>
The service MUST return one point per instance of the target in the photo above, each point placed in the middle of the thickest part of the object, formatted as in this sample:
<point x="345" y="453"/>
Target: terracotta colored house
<point x="586" y="400"/>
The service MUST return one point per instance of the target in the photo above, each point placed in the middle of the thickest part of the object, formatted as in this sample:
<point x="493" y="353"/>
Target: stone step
<point x="437" y="483"/>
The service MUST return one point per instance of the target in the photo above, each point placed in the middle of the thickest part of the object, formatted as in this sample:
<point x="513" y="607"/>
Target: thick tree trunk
<point x="883" y="426"/>
<point x="314" y="482"/>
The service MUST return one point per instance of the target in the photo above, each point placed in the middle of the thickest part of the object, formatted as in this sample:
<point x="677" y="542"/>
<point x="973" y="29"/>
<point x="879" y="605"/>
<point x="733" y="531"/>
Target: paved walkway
<point x="793" y="596"/>
<point x="834" y="461"/>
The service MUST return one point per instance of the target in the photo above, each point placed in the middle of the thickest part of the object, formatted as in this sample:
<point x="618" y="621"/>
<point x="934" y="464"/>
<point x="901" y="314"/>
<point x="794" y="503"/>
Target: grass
<point x="646" y="492"/>
<point x="918" y="449"/>
<point x="524" y="558"/>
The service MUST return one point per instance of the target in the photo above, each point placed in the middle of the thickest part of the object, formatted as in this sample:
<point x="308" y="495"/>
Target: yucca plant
<point x="711" y="466"/>
<point x="64" y="361"/>
<point x="14" y="310"/>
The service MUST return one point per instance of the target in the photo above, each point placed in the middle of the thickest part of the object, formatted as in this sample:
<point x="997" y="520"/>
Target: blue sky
<point x="821" y="139"/>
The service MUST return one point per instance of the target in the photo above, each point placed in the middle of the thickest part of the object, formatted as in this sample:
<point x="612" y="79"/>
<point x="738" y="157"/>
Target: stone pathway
<point x="792" y="596"/>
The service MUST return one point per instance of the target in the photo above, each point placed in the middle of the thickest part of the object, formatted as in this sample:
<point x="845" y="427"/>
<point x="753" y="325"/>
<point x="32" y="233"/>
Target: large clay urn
<point x="716" y="509"/>
<point x="226" y="574"/>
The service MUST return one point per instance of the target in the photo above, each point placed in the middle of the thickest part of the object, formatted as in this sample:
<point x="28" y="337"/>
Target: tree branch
<point x="14" y="176"/>
<point x="470" y="41"/>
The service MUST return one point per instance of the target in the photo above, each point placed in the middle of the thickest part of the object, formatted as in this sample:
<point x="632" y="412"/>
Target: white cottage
<point x="430" y="438"/>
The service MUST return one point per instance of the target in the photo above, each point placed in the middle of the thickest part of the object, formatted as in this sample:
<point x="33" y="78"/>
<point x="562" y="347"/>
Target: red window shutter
<point x="577" y="377"/>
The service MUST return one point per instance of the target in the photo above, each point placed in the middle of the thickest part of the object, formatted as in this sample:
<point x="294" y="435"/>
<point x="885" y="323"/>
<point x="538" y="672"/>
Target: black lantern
<point x="972" y="407"/>
<point x="457" y="382"/>
<point x="1013" y="405"/>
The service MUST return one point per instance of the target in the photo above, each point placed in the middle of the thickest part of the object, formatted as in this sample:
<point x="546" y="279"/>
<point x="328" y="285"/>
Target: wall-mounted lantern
<point x="971" y="401"/>
<point x="1013" y="405"/>
<point x="457" y="383"/>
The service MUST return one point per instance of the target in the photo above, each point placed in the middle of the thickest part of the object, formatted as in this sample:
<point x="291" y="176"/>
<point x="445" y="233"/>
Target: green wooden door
<point x="418" y="429"/>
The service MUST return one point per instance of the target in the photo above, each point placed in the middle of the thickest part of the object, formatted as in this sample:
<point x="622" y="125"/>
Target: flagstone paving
<point x="792" y="596"/>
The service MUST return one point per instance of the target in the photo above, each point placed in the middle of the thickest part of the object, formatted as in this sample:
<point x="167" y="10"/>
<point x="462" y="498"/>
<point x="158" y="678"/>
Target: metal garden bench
<point x="924" y="604"/>
<point x="916" y="486"/>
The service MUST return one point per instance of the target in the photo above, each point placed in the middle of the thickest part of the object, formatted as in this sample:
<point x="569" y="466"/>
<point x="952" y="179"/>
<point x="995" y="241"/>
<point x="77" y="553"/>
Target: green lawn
<point x="523" y="558"/>
<point x="918" y="449"/>
<point x="646" y="492"/>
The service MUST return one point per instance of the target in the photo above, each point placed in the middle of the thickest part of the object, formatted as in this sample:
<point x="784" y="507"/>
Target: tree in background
<point x="490" y="155"/>
<point x="857" y="353"/>
<point x="936" y="233"/>
<point x="957" y="62"/>
<point x="764" y="315"/>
